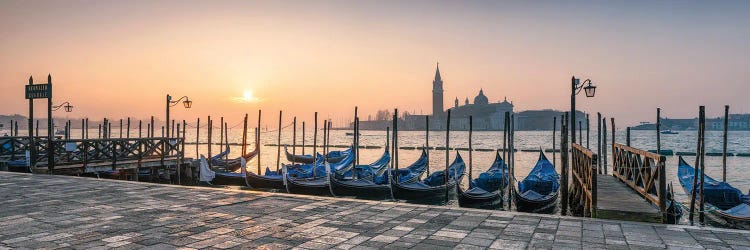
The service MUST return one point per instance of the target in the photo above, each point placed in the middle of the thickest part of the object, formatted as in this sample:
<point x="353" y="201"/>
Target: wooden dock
<point x="617" y="201"/>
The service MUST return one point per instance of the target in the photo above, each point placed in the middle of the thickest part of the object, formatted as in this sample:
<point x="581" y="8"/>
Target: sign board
<point x="38" y="91"/>
<point x="70" y="146"/>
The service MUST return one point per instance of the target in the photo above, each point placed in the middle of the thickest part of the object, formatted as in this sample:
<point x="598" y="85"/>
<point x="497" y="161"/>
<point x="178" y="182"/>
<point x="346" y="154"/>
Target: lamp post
<point x="576" y="87"/>
<point x="66" y="105"/>
<point x="186" y="102"/>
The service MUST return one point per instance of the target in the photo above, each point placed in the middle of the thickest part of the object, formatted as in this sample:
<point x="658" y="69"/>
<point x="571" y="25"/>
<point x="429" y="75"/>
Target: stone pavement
<point x="47" y="211"/>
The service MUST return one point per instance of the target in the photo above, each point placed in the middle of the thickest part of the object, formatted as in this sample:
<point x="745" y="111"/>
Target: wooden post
<point x="330" y="124"/>
<point x="37" y="127"/>
<point x="99" y="133"/>
<point x="703" y="166"/>
<point x="294" y="136"/>
<point x="658" y="131"/>
<point x="210" y="134"/>
<point x="179" y="163"/>
<point x="565" y="156"/>
<point x="599" y="143"/>
<point x="512" y="154"/>
<point x="303" y="137"/>
<point x="221" y="134"/>
<point x="197" y="138"/>
<point x="427" y="141"/>
<point x="395" y="142"/>
<point x="588" y="126"/>
<point x="471" y="127"/>
<point x="724" y="146"/>
<point x="447" y="151"/>
<point x="627" y="136"/>
<point x="580" y="132"/>
<point x="278" y="147"/>
<point x="258" y="144"/>
<point x="614" y="130"/>
<point x="128" y="132"/>
<point x="554" y="129"/>
<point x="356" y="135"/>
<point x="120" y="128"/>
<point x="696" y="166"/>
<point x="173" y="129"/>
<point x="506" y="132"/>
<point x="315" y="144"/>
<point x="140" y="124"/>
<point x="50" y="129"/>
<point x="325" y="133"/>
<point x="153" y="127"/>
<point x="604" y="146"/>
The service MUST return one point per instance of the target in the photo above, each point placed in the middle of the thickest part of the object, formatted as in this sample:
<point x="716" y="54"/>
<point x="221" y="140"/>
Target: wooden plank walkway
<point x="617" y="201"/>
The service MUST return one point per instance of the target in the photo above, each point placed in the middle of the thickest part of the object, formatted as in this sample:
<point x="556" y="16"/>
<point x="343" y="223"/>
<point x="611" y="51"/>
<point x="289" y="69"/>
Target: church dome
<point x="481" y="99"/>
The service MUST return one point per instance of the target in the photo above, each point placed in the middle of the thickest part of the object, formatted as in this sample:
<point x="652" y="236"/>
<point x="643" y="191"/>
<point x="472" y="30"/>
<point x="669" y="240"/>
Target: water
<point x="685" y="141"/>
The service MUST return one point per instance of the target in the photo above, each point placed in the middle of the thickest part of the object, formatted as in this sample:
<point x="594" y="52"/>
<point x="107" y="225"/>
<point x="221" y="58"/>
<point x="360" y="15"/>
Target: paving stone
<point x="85" y="213"/>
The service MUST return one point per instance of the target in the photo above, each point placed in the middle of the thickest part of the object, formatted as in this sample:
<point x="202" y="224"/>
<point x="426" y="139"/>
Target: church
<point x="486" y="115"/>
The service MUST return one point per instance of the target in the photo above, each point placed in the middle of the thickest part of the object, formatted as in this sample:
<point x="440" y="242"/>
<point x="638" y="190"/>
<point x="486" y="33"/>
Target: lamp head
<point x="187" y="103"/>
<point x="590" y="90"/>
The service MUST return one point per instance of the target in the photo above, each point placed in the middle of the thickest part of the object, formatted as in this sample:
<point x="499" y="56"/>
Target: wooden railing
<point x="644" y="172"/>
<point x="584" y="170"/>
<point x="95" y="151"/>
<point x="14" y="147"/>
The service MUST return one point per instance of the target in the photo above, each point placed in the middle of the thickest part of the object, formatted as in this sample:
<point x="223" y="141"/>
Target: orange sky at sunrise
<point x="120" y="58"/>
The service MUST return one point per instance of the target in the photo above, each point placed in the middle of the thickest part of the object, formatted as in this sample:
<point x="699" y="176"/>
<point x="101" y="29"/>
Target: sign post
<point x="40" y="91"/>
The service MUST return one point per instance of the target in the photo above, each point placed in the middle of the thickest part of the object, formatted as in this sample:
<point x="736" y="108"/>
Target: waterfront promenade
<point x="49" y="211"/>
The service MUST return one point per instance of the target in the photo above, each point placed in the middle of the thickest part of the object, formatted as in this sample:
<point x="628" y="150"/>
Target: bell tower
<point x="437" y="93"/>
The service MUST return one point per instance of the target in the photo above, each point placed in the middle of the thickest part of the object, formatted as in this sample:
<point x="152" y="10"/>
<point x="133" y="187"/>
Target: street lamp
<point x="186" y="102"/>
<point x="576" y="87"/>
<point x="66" y="105"/>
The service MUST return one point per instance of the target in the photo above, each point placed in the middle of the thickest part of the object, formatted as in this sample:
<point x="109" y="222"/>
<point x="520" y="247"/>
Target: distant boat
<point x="60" y="132"/>
<point x="669" y="132"/>
<point x="351" y="134"/>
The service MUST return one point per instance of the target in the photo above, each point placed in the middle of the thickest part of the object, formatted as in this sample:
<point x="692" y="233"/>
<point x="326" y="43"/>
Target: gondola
<point x="332" y="157"/>
<point x="232" y="165"/>
<point x="433" y="188"/>
<point x="372" y="181"/>
<point x="486" y="191"/>
<point x="301" y="182"/>
<point x="538" y="192"/>
<point x="725" y="205"/>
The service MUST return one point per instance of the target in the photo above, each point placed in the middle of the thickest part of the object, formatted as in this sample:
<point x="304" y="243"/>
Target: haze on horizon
<point x="120" y="58"/>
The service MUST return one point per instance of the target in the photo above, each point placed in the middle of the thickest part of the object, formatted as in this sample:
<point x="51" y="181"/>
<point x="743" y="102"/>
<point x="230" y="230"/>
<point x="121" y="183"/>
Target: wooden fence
<point x="584" y="169"/>
<point x="644" y="172"/>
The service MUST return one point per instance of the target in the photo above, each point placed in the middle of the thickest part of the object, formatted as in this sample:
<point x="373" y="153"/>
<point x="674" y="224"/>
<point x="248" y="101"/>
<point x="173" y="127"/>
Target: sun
<point x="247" y="96"/>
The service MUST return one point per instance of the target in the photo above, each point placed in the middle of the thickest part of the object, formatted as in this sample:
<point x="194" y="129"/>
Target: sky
<point x="120" y="59"/>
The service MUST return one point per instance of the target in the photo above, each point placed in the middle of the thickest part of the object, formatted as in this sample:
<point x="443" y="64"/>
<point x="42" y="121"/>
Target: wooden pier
<point x="636" y="190"/>
<point x="77" y="156"/>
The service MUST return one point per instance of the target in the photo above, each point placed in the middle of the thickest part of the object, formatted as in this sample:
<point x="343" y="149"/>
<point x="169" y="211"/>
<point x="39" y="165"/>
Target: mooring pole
<point x="128" y="132"/>
<point x="120" y="128"/>
<point x="278" y="146"/>
<point x="604" y="142"/>
<point x="627" y="136"/>
<point x="512" y="154"/>
<point x="565" y="157"/>
<point x="50" y="129"/>
<point x="153" y="127"/>
<point x="221" y="134"/>
<point x="588" y="126"/>
<point x="354" y="136"/>
<point x="210" y="134"/>
<point x="294" y="136"/>
<point x="554" y="129"/>
<point x="447" y="151"/>
<point x="258" y="144"/>
<point x="315" y="144"/>
<point x="694" y="192"/>
<point x="303" y="137"/>
<point x="471" y="127"/>
<point x="506" y="155"/>
<point x="395" y="142"/>
<point x="658" y="131"/>
<point x="703" y="166"/>
<point x="580" y="132"/>
<point x="32" y="145"/>
<point x="724" y="148"/>
<point x="599" y="147"/>
<point x="197" y="137"/>
<point x="427" y="141"/>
